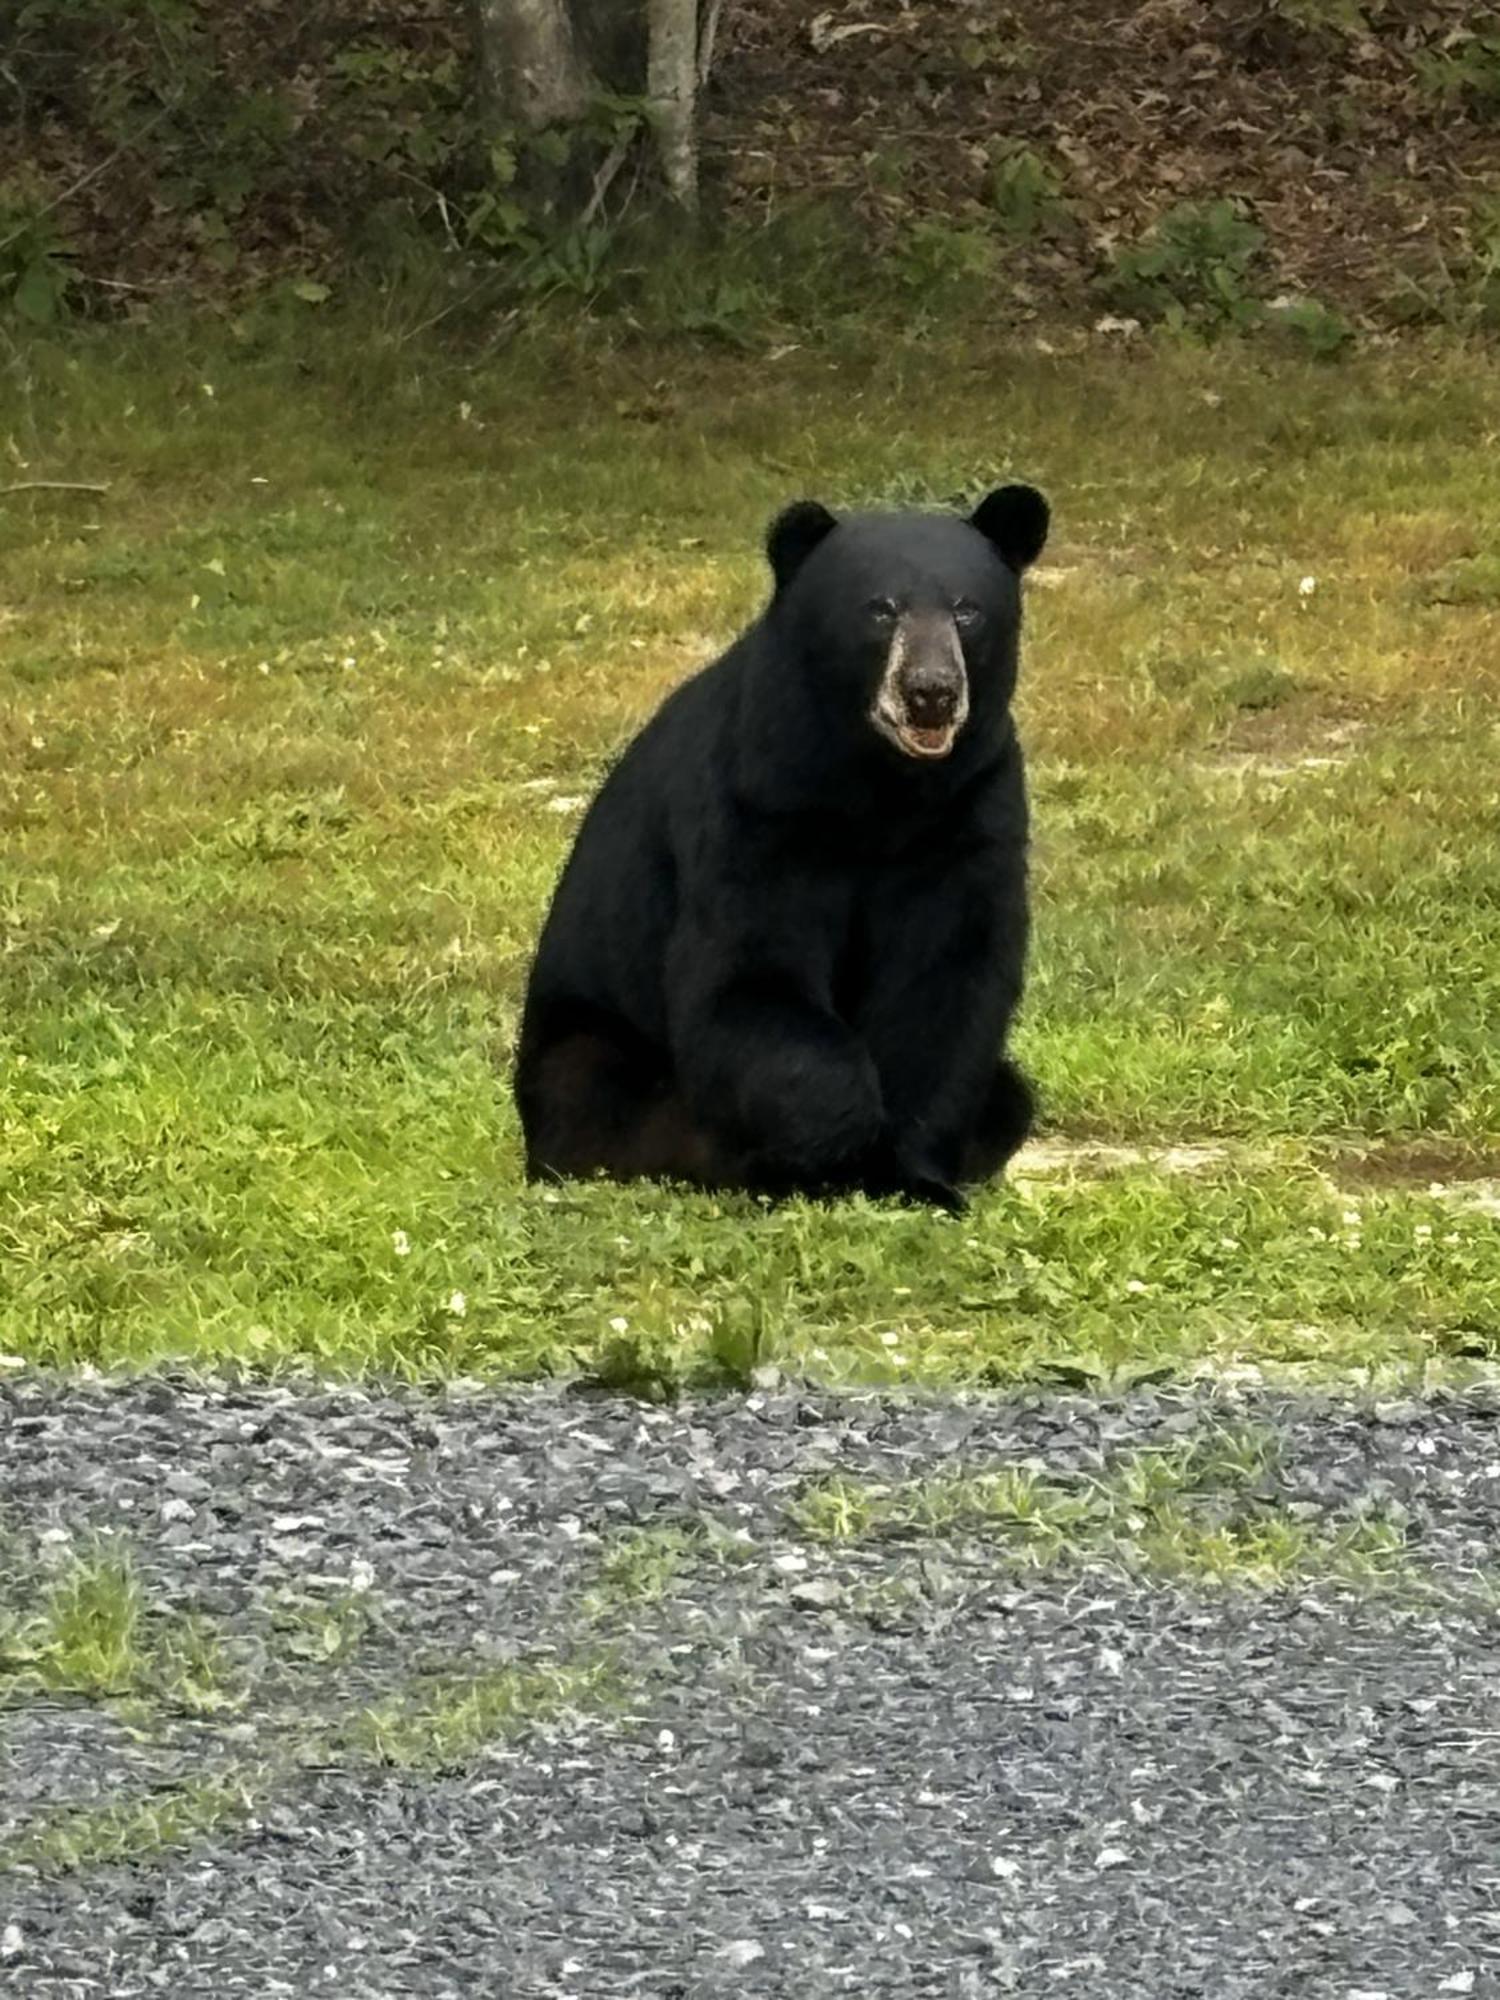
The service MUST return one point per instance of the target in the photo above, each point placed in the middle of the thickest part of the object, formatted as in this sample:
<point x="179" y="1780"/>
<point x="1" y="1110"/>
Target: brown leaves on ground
<point x="1322" y="115"/>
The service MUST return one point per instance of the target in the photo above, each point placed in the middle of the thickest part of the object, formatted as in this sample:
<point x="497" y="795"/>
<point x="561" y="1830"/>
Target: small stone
<point x="743" y="1952"/>
<point x="818" y="1593"/>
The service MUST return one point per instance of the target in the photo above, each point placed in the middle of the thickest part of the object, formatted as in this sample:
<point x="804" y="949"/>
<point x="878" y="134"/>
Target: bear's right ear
<point x="793" y="535"/>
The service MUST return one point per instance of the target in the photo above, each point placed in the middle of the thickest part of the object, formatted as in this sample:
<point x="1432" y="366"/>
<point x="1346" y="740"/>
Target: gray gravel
<point x="890" y="1767"/>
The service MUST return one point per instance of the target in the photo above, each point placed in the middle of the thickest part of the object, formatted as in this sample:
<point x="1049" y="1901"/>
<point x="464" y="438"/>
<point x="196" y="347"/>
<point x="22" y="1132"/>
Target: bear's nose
<point x="930" y="703"/>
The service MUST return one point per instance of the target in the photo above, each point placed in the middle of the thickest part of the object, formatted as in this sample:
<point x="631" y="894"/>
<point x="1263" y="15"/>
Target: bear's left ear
<point x="793" y="535"/>
<point x="1015" y="519"/>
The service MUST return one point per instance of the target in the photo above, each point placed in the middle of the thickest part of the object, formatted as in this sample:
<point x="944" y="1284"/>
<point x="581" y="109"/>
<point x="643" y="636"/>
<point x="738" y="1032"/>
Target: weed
<point x="444" y="1726"/>
<point x="837" y="1510"/>
<point x="37" y="273"/>
<point x="1025" y="191"/>
<point x="741" y="1340"/>
<point x="136" y="1829"/>
<point x="325" y="1632"/>
<point x="937" y="259"/>
<point x="1205" y="1509"/>
<point x="1464" y="71"/>
<point x="95" y="1635"/>
<point x="1310" y="325"/>
<point x="1195" y="269"/>
<point x="640" y="1364"/>
<point x="640" y="1567"/>
<point x="87" y="1636"/>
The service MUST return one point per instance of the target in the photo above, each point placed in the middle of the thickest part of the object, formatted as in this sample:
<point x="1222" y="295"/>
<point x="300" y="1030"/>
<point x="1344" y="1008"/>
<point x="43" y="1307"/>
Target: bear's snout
<point x="923" y="698"/>
<point x="930" y="702"/>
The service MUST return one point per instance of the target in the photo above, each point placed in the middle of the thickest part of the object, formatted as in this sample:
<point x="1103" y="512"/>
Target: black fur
<point x="784" y="955"/>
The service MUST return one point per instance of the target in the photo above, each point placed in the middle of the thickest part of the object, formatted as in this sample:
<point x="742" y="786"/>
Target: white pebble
<point x="743" y="1952"/>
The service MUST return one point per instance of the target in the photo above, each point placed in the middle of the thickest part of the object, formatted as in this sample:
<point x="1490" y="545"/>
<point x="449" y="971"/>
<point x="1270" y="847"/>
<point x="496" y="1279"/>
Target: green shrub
<point x="37" y="276"/>
<point x="1192" y="269"/>
<point x="1465" y="73"/>
<point x="1025" y="191"/>
<point x="1309" y="324"/>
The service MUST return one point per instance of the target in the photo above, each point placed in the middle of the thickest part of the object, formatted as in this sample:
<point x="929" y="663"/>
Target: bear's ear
<point x="793" y="535"/>
<point x="1014" y="519"/>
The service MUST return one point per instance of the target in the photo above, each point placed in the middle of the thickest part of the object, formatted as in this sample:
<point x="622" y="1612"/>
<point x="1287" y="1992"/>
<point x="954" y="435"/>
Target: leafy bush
<point x="36" y="267"/>
<point x="1466" y="71"/>
<point x="1191" y="270"/>
<point x="1025" y="191"/>
<point x="935" y="258"/>
<point x="1311" y="325"/>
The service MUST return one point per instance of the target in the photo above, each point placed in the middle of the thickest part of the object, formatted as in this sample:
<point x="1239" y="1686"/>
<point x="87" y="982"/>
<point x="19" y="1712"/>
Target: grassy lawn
<point x="295" y="723"/>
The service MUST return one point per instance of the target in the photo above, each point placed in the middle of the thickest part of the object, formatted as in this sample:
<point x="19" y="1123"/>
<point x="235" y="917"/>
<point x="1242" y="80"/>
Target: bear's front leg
<point x="947" y="979"/>
<point x="793" y="1093"/>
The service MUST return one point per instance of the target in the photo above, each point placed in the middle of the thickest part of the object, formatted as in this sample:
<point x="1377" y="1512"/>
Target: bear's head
<point x="910" y="621"/>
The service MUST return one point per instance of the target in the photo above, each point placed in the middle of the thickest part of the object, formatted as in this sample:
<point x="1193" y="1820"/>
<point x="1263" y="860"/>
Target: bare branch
<point x="53" y="486"/>
<point x="609" y="166"/>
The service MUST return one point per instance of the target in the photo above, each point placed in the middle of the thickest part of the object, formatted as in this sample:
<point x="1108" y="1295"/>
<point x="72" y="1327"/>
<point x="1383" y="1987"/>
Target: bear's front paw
<point x="935" y="1194"/>
<point x="891" y="1172"/>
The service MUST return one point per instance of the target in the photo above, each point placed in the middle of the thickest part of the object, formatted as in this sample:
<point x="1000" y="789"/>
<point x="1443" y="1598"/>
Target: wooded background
<point x="1198" y="157"/>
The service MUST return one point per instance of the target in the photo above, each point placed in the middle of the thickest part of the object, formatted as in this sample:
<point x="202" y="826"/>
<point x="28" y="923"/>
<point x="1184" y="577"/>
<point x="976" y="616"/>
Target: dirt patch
<point x="1295" y="736"/>
<point x="1059" y="1159"/>
<point x="1447" y="1164"/>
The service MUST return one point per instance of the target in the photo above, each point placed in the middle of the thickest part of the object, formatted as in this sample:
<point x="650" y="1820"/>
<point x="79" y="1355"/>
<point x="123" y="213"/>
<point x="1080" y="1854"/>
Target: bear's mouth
<point x="925" y="741"/>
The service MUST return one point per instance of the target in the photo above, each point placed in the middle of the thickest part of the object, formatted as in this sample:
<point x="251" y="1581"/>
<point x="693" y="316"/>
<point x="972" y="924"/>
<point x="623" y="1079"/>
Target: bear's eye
<point x="884" y="610"/>
<point x="966" y="614"/>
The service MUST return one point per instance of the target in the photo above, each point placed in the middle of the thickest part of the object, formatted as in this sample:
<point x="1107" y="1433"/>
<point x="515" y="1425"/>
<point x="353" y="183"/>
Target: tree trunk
<point x="531" y="71"/>
<point x="672" y="87"/>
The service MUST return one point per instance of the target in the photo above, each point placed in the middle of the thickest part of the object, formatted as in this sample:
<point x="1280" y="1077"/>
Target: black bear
<point x="785" y="951"/>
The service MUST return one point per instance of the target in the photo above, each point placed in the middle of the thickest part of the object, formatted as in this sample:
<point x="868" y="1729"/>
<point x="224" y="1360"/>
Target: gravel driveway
<point x="809" y="1708"/>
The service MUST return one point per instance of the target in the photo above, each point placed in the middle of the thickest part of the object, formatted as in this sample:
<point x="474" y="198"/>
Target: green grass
<point x="92" y="1633"/>
<point x="445" y="1725"/>
<point x="137" y="1829"/>
<point x="435" y="1726"/>
<point x="1206" y="1512"/>
<point x="285" y="718"/>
